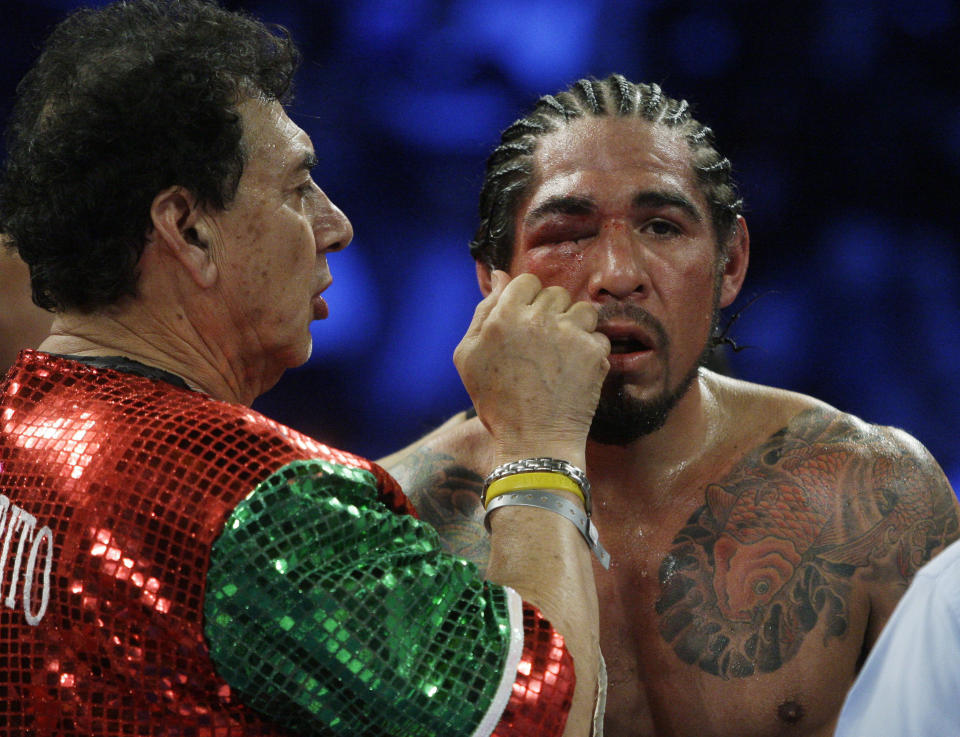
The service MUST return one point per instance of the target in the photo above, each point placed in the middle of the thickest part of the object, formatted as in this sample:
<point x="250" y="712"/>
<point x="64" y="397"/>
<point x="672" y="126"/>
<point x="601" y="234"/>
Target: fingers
<point x="583" y="314"/>
<point x="499" y="280"/>
<point x="522" y="290"/>
<point x="534" y="365"/>
<point x="556" y="299"/>
<point x="604" y="344"/>
<point x="525" y="290"/>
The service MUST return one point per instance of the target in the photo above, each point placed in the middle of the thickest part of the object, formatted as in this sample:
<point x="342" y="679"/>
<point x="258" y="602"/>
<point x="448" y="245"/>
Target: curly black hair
<point x="509" y="171"/>
<point x="124" y="102"/>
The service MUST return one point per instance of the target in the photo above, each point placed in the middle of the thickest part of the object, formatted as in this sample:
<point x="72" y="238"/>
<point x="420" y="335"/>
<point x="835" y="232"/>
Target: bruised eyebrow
<point x="561" y="205"/>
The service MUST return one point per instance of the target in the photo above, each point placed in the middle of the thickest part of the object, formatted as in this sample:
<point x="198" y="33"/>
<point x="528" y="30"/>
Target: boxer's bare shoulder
<point x="443" y="473"/>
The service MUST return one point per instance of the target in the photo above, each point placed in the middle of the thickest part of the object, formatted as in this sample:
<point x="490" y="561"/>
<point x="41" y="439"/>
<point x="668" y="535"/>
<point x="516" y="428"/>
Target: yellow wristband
<point x="545" y="480"/>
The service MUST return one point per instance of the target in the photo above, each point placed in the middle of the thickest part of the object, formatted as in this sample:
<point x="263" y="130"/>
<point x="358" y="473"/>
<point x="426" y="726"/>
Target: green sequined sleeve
<point x="329" y="614"/>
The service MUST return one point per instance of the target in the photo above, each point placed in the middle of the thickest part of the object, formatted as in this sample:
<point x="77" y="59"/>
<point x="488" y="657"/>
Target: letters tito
<point x="23" y="543"/>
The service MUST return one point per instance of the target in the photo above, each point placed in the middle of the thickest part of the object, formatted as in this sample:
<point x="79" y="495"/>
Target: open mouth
<point x="624" y="344"/>
<point x="628" y="345"/>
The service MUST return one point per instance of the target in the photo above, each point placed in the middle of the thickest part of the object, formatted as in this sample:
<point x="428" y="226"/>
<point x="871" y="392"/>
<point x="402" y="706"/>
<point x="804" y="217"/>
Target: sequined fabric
<point x="329" y="610"/>
<point x="412" y="643"/>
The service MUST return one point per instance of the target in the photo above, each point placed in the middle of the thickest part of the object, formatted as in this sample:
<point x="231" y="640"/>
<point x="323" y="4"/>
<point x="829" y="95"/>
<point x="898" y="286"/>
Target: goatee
<point x="620" y="419"/>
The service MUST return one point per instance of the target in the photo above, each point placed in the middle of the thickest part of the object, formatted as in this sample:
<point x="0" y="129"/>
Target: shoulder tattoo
<point x="446" y="494"/>
<point x="775" y="548"/>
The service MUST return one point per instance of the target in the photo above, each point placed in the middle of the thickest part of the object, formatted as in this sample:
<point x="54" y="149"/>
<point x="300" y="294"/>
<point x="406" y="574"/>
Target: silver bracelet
<point x="554" y="465"/>
<point x="552" y="502"/>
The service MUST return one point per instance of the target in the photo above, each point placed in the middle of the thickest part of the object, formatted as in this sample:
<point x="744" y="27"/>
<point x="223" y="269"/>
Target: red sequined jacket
<point x="113" y="488"/>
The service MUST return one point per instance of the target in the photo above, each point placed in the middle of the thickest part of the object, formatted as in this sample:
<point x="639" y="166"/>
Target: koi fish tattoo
<point x="772" y="551"/>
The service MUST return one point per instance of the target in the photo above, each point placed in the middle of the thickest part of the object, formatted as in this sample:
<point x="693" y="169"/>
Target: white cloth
<point x="910" y="683"/>
<point x="600" y="707"/>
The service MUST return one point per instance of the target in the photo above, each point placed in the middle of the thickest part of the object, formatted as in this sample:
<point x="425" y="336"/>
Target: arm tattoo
<point x="775" y="548"/>
<point x="446" y="494"/>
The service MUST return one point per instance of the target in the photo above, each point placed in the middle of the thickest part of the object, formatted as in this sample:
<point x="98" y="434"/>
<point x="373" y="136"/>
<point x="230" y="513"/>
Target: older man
<point x="759" y="538"/>
<point x="175" y="563"/>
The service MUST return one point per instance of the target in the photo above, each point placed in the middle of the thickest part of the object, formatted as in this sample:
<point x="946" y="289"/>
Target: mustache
<point x="635" y="314"/>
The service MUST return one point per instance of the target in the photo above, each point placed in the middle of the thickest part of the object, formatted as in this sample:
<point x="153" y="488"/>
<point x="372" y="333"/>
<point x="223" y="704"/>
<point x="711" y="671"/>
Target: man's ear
<point x="735" y="265"/>
<point x="484" y="278"/>
<point x="178" y="227"/>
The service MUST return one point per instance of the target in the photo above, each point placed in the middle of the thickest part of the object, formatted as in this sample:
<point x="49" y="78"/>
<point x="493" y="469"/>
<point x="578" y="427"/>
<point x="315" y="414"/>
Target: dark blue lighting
<point x="356" y="308"/>
<point x="773" y="331"/>
<point x="374" y="22"/>
<point x="445" y="118"/>
<point x="953" y="136"/>
<point x="861" y="254"/>
<point x="704" y="44"/>
<point x="538" y="43"/>
<point x="845" y="46"/>
<point x="436" y="304"/>
<point x="922" y="17"/>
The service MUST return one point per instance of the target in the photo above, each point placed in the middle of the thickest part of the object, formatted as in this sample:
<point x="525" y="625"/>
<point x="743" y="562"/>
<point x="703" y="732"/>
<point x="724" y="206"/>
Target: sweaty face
<point x="615" y="216"/>
<point x="270" y="243"/>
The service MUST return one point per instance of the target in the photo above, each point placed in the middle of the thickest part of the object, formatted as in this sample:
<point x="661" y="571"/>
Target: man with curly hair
<point x="759" y="538"/>
<point x="174" y="563"/>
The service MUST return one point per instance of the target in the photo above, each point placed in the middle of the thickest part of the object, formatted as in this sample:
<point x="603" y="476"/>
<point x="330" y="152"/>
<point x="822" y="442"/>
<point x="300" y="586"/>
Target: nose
<point x="332" y="229"/>
<point x="619" y="264"/>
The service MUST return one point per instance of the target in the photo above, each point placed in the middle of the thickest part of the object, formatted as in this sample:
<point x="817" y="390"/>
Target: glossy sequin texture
<point x="113" y="490"/>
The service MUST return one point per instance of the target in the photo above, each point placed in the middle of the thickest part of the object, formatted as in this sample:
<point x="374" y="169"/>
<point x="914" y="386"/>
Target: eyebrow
<point x="561" y="205"/>
<point x="578" y="205"/>
<point x="660" y="198"/>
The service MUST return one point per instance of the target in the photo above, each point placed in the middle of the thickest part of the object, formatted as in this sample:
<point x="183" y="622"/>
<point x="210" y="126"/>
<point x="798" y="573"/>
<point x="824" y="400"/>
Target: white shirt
<point x="910" y="683"/>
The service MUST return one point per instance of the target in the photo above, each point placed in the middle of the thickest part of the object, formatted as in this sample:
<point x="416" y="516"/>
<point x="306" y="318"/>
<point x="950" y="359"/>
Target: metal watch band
<point x="543" y="499"/>
<point x="542" y="464"/>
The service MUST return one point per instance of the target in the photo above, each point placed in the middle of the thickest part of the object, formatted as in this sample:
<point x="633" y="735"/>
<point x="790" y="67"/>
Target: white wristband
<point x="544" y="499"/>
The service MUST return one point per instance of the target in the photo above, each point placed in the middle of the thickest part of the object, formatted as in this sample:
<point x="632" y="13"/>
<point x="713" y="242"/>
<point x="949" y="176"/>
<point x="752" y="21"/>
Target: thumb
<point x="498" y="282"/>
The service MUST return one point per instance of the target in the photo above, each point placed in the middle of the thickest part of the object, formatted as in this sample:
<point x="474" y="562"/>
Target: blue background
<point x="842" y="119"/>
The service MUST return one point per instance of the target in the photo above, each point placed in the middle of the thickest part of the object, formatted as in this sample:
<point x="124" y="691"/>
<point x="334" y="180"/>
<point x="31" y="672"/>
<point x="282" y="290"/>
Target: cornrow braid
<point x="681" y="113"/>
<point x="625" y="94"/>
<point x="589" y="95"/>
<point x="554" y="104"/>
<point x="654" y="100"/>
<point x="509" y="170"/>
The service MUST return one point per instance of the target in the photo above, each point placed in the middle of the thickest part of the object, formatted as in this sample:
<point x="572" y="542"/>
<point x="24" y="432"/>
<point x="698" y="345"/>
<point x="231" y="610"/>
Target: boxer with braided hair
<point x="759" y="538"/>
<point x="509" y="166"/>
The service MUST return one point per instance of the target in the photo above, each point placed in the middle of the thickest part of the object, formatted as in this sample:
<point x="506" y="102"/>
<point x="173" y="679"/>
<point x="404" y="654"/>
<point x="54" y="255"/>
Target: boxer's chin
<point x="621" y="418"/>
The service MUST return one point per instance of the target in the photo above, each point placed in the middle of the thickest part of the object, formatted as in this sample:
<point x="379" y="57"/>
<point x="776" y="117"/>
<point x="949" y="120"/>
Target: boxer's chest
<point x="680" y="663"/>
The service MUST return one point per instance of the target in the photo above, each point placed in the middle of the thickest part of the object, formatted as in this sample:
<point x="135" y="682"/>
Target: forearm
<point x="533" y="365"/>
<point x="543" y="557"/>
